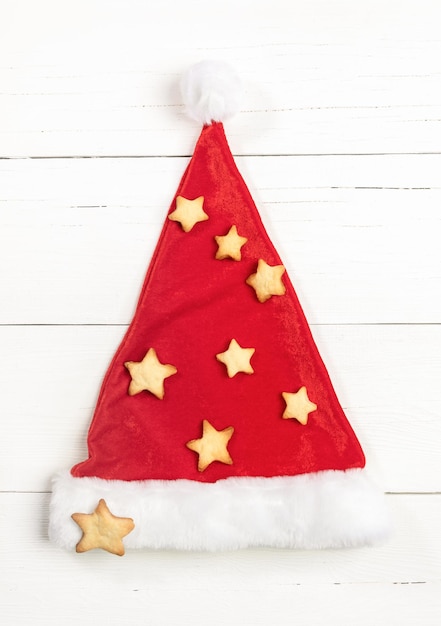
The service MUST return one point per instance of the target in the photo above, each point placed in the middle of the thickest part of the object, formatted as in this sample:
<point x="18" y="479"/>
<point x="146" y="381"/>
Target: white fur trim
<point x="211" y="91"/>
<point x="328" y="509"/>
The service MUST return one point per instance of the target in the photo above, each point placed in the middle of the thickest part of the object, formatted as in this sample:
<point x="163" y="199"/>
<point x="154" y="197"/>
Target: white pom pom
<point x="211" y="91"/>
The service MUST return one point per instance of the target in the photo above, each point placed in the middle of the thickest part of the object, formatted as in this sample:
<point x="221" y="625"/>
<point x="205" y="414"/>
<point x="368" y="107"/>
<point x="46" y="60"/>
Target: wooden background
<point x="339" y="140"/>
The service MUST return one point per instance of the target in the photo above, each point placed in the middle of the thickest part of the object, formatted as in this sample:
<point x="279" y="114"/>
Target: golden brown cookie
<point x="212" y="446"/>
<point x="188" y="212"/>
<point x="149" y="374"/>
<point x="298" y="405"/>
<point x="229" y="245"/>
<point x="267" y="281"/>
<point x="102" y="529"/>
<point x="236" y="359"/>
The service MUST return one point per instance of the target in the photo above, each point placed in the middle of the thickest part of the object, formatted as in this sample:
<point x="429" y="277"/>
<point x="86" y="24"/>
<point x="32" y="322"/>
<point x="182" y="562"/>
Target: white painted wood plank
<point x="319" y="77"/>
<point x="358" y="235"/>
<point x="336" y="605"/>
<point x="386" y="377"/>
<point x="397" y="582"/>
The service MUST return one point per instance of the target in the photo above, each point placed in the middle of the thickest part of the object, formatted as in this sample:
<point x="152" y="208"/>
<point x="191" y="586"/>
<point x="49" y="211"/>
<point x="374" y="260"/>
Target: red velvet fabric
<point x="190" y="307"/>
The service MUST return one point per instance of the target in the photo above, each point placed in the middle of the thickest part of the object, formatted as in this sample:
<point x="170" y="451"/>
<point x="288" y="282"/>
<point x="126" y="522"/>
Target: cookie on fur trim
<point x="102" y="529"/>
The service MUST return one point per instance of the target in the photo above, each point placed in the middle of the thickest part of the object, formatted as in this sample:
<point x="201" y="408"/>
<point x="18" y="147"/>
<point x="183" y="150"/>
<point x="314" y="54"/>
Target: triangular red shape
<point x="190" y="308"/>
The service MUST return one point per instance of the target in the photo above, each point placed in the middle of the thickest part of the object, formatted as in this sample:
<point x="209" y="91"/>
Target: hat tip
<point x="211" y="91"/>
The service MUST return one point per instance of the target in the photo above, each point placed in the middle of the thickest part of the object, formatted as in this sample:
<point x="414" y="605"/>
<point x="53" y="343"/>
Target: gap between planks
<point x="386" y="493"/>
<point x="188" y="156"/>
<point x="125" y="325"/>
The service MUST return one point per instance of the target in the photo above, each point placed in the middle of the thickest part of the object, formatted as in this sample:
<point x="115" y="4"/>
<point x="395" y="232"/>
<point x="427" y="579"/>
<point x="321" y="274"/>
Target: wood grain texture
<point x="249" y="586"/>
<point x="97" y="79"/>
<point x="359" y="235"/>
<point x="339" y="141"/>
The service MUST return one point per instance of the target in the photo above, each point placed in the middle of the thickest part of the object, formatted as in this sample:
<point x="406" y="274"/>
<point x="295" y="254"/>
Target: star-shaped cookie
<point x="229" y="245"/>
<point x="236" y="359"/>
<point x="102" y="529"/>
<point x="298" y="405"/>
<point x="188" y="212"/>
<point x="267" y="281"/>
<point x="212" y="446"/>
<point x="149" y="375"/>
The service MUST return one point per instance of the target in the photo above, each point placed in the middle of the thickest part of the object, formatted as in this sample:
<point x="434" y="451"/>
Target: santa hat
<point x="217" y="426"/>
